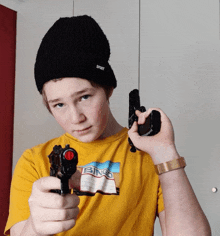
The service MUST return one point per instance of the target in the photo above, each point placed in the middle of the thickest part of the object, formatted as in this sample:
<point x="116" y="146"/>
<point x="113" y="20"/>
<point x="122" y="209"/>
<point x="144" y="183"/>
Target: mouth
<point x="83" y="130"/>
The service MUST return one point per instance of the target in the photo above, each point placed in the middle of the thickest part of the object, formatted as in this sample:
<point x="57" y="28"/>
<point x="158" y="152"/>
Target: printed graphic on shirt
<point x="99" y="177"/>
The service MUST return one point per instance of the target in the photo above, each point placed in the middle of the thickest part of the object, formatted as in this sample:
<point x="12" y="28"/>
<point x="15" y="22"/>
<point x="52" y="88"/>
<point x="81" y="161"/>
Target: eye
<point x="58" y="105"/>
<point x="85" y="97"/>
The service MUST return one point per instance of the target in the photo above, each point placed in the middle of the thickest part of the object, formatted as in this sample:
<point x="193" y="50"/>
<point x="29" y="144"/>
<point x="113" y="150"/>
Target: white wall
<point x="12" y="4"/>
<point x="32" y="122"/>
<point x="180" y="55"/>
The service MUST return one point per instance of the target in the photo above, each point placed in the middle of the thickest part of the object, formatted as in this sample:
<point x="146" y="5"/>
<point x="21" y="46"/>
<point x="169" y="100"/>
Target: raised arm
<point x="183" y="214"/>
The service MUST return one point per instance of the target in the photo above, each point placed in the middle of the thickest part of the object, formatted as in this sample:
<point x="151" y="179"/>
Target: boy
<point x="121" y="194"/>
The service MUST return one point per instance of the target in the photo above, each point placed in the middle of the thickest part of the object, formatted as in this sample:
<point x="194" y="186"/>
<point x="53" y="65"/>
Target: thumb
<point x="74" y="181"/>
<point x="137" y="112"/>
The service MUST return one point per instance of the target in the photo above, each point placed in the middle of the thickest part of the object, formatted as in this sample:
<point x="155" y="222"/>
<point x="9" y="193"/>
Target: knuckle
<point x="61" y="227"/>
<point x="73" y="214"/>
<point x="34" y="186"/>
<point x="30" y="200"/>
<point x="70" y="224"/>
<point x="157" y="109"/>
<point x="63" y="215"/>
<point x="65" y="225"/>
<point x="60" y="202"/>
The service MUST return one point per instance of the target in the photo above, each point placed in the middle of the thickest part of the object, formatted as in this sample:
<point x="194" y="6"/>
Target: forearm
<point x="184" y="215"/>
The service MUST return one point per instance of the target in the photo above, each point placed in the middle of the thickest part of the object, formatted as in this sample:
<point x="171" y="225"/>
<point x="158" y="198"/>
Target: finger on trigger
<point x="137" y="112"/>
<point x="141" y="116"/>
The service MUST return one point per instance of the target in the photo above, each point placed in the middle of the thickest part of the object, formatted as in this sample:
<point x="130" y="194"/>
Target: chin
<point x="92" y="135"/>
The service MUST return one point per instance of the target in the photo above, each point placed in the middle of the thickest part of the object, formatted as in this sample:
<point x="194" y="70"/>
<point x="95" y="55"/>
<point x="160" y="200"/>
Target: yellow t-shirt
<point x="135" y="197"/>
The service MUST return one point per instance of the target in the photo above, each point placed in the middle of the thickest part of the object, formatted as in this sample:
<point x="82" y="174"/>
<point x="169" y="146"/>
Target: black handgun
<point x="63" y="165"/>
<point x="152" y="124"/>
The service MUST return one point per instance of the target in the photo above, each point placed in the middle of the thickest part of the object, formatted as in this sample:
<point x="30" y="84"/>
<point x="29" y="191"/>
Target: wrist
<point x="30" y="230"/>
<point x="164" y="154"/>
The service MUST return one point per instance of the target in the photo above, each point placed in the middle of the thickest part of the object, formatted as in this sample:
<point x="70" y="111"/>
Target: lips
<point x="83" y="130"/>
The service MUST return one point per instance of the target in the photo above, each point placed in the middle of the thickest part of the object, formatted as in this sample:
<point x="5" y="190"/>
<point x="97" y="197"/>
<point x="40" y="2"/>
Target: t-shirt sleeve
<point x="24" y="176"/>
<point x="160" y="203"/>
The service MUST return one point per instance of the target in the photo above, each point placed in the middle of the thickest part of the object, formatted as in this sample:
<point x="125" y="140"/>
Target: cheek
<point x="60" y="119"/>
<point x="100" y="113"/>
<point x="104" y="115"/>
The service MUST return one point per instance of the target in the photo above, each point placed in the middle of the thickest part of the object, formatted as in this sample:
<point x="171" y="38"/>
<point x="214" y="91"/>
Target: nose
<point x="76" y="115"/>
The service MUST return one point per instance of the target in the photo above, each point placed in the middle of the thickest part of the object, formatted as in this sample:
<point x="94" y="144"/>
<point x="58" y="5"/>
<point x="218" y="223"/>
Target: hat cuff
<point x="97" y="72"/>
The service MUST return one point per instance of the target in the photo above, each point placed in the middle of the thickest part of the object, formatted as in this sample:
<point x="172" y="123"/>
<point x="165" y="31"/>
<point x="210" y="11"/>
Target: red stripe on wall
<point x="7" y="81"/>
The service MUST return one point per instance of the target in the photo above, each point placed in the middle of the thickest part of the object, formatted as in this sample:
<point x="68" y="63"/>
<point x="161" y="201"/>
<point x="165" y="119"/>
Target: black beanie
<point x="74" y="47"/>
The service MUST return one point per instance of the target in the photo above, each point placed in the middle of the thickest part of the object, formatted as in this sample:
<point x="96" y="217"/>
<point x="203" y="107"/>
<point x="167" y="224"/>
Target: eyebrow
<point x="73" y="95"/>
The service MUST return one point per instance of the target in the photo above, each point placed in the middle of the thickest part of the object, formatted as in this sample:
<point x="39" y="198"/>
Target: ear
<point x="111" y="92"/>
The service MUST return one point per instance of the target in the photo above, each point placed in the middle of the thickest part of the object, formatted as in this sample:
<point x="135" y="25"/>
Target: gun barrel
<point x="134" y="104"/>
<point x="134" y="99"/>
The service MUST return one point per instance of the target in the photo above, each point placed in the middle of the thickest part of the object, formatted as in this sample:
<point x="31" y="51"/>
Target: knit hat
<point x="74" y="47"/>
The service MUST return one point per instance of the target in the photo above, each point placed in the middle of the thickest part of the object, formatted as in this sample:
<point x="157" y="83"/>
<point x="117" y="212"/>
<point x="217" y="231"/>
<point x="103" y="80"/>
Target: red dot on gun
<point x="69" y="155"/>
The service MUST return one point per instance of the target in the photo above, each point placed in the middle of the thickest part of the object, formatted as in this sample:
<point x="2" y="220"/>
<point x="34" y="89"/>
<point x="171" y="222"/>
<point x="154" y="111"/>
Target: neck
<point x="113" y="127"/>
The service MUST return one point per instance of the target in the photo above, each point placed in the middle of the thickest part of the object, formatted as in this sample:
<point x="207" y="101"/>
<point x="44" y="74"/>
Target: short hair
<point x="107" y="89"/>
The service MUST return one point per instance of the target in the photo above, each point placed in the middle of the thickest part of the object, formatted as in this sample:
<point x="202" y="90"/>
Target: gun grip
<point x="151" y="126"/>
<point x="65" y="186"/>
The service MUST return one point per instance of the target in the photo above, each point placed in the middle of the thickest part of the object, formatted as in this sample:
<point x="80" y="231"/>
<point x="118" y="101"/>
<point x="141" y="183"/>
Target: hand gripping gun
<point x="152" y="124"/>
<point x="63" y="165"/>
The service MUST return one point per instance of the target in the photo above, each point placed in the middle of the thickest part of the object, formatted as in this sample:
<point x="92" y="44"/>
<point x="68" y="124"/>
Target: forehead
<point x="65" y="87"/>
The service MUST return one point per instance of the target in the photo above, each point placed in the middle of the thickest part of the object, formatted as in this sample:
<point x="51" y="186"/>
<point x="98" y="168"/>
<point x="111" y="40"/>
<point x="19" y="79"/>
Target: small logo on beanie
<point x="100" y="67"/>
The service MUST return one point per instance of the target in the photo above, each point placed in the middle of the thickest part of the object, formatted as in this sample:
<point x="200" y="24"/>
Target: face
<point x="79" y="108"/>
